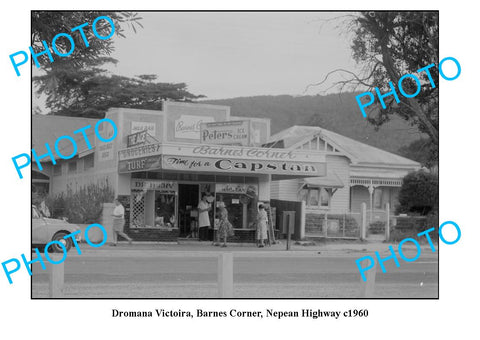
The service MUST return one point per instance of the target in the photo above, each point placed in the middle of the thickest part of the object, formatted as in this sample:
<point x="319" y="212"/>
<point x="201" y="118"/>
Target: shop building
<point x="162" y="162"/>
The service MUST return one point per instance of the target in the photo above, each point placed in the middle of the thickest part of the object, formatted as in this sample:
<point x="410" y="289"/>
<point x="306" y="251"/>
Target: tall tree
<point x="388" y="45"/>
<point x="91" y="94"/>
<point x="78" y="85"/>
<point x="391" y="44"/>
<point x="421" y="150"/>
<point x="47" y="24"/>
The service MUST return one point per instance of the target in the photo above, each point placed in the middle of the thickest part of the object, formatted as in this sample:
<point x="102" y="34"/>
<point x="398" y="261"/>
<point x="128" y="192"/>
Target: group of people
<point x="225" y="228"/>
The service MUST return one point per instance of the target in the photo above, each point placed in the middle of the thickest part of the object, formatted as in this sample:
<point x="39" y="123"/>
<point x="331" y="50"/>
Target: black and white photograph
<point x="208" y="183"/>
<point x="253" y="169"/>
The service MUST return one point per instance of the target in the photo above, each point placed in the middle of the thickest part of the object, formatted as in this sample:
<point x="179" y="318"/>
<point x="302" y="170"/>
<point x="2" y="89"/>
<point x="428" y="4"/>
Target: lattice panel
<point x="137" y="214"/>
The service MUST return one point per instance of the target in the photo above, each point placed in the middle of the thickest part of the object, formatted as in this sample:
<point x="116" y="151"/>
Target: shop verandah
<point x="161" y="186"/>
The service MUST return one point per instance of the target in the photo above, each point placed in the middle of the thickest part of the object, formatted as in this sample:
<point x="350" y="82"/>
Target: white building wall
<point x="340" y="166"/>
<point x="336" y="166"/>
<point x="275" y="190"/>
<point x="288" y="189"/>
<point x="80" y="178"/>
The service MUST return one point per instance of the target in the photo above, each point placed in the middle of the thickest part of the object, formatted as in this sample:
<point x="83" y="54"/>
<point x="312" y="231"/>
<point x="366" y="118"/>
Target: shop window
<point x="72" y="166"/>
<point x="57" y="169"/>
<point x="241" y="209"/>
<point x="153" y="209"/>
<point x="164" y="210"/>
<point x="88" y="162"/>
<point x="316" y="197"/>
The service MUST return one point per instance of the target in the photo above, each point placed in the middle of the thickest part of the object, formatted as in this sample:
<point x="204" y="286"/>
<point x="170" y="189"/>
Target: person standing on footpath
<point x="225" y="227"/>
<point x="203" y="218"/>
<point x="262" y="221"/>
<point x="119" y="222"/>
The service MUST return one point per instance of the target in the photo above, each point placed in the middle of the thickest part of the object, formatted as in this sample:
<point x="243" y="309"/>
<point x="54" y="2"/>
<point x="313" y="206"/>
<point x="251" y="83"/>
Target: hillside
<point x="334" y="112"/>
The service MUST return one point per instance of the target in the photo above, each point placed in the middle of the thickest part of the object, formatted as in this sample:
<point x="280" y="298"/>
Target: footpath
<point x="328" y="248"/>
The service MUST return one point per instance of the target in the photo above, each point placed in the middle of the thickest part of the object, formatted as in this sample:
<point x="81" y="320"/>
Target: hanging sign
<point x="232" y="188"/>
<point x="137" y="138"/>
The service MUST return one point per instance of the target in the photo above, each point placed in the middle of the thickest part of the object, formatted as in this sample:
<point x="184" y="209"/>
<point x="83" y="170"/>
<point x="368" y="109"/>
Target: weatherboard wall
<point x="339" y="166"/>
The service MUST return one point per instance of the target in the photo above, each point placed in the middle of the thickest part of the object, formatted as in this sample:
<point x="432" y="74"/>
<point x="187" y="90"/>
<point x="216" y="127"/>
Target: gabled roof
<point x="47" y="129"/>
<point x="358" y="152"/>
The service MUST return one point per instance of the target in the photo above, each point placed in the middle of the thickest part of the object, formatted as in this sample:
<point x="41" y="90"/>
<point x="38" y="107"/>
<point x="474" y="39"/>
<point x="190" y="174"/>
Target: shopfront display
<point x="153" y="204"/>
<point x="240" y="200"/>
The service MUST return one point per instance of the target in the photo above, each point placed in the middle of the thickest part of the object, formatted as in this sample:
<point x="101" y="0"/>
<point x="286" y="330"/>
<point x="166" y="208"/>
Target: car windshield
<point x="35" y="213"/>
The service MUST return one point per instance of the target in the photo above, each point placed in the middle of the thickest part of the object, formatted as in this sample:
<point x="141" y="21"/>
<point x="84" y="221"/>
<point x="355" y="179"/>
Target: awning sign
<point x="219" y="151"/>
<point x="222" y="159"/>
<point x="226" y="165"/>
<point x="140" y="164"/>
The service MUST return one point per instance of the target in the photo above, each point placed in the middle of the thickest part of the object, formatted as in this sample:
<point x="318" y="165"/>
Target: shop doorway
<point x="188" y="197"/>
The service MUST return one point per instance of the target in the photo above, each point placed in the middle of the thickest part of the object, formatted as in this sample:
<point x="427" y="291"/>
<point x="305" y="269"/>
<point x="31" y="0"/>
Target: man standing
<point x="203" y="219"/>
<point x="119" y="223"/>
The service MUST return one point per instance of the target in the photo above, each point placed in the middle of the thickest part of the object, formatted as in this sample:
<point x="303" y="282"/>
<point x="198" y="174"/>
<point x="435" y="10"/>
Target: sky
<point x="232" y="54"/>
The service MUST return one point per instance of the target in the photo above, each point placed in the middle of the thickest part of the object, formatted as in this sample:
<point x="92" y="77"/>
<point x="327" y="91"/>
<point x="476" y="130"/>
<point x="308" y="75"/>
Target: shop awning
<point x="222" y="159"/>
<point x="330" y="181"/>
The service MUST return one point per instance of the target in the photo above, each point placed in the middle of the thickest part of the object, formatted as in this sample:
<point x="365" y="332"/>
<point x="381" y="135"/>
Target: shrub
<point x="82" y="206"/>
<point x="377" y="227"/>
<point x="418" y="194"/>
<point x="410" y="227"/>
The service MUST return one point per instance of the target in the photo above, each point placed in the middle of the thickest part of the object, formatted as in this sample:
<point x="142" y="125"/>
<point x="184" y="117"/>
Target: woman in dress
<point x="225" y="228"/>
<point x="262" y="220"/>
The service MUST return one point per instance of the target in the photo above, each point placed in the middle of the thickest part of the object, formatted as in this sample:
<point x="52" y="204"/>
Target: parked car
<point x="46" y="229"/>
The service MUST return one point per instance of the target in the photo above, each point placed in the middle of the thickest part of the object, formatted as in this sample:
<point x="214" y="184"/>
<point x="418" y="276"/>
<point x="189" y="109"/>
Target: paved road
<point x="155" y="271"/>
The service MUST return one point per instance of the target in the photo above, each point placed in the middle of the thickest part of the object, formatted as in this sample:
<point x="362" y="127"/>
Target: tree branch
<point x="360" y="81"/>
